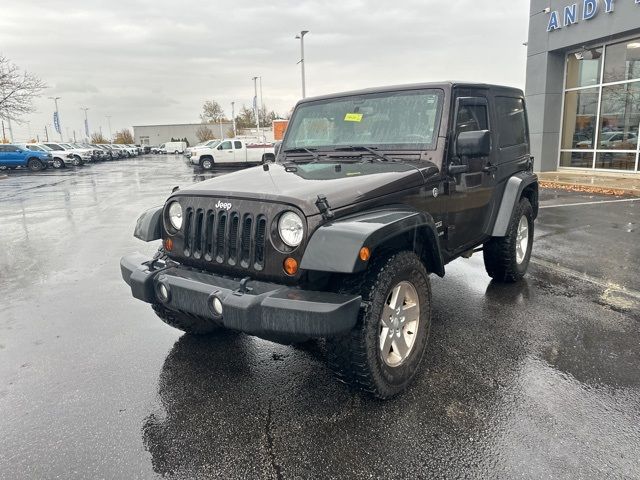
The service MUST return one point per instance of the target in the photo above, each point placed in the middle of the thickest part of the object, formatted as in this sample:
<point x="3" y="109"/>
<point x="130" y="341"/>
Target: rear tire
<point x="191" y="324"/>
<point x="35" y="165"/>
<point x="77" y="161"/>
<point x="383" y="352"/>
<point x="506" y="259"/>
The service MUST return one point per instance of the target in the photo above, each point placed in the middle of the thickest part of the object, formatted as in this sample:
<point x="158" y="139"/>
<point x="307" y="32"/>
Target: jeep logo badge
<point x="226" y="206"/>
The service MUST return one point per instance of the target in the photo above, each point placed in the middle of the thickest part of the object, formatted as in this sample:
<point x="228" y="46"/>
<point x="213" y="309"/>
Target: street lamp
<point x="108" y="117"/>
<point x="256" y="109"/>
<point x="301" y="62"/>
<point x="59" y="127"/>
<point x="86" y="121"/>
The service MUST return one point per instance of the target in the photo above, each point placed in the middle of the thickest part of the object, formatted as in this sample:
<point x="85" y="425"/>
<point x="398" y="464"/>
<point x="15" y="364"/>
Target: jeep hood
<point x="342" y="183"/>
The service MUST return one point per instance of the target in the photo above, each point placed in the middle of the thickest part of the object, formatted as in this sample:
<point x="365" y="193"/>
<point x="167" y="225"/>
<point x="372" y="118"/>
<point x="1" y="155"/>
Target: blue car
<point x="13" y="156"/>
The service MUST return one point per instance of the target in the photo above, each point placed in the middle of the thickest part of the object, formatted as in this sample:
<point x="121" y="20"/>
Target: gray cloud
<point x="145" y="61"/>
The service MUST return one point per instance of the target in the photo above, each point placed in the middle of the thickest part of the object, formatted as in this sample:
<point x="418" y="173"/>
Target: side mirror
<point x="473" y="144"/>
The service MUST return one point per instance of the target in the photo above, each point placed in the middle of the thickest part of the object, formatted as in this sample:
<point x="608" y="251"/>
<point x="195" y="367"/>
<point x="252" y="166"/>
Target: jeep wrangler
<point x="371" y="192"/>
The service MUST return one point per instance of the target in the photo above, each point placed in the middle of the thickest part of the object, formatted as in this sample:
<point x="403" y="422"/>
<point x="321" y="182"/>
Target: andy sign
<point x="571" y="14"/>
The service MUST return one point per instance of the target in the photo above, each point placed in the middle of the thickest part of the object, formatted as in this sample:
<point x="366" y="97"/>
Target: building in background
<point x="157" y="134"/>
<point x="583" y="84"/>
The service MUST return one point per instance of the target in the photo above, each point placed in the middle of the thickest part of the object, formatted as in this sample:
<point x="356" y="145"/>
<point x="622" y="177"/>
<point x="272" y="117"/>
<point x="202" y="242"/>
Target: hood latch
<point x="323" y="206"/>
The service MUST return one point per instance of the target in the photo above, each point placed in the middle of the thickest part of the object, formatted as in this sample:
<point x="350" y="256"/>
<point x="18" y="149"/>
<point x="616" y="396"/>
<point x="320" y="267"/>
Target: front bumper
<point x="254" y="307"/>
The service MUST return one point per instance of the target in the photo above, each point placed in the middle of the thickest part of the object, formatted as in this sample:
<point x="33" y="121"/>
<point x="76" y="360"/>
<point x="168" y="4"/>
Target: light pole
<point x="233" y="117"/>
<point x="110" y="133"/>
<point x="55" y="100"/>
<point x="86" y="121"/>
<point x="301" y="62"/>
<point x="256" y="110"/>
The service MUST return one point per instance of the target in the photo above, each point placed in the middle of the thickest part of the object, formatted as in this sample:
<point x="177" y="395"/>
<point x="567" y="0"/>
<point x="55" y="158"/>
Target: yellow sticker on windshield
<point x="353" y="117"/>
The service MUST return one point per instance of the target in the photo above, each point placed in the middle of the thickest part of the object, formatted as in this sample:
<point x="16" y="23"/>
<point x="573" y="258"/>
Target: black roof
<point x="446" y="85"/>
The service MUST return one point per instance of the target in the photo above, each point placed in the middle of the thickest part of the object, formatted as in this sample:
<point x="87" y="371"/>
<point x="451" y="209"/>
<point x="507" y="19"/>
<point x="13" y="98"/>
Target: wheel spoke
<point x="400" y="346"/>
<point x="411" y="313"/>
<point x="387" y="312"/>
<point x="385" y="342"/>
<point x="397" y="297"/>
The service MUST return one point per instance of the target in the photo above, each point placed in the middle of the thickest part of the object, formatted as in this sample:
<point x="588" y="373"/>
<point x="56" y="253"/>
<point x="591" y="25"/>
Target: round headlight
<point x="175" y="215"/>
<point x="290" y="229"/>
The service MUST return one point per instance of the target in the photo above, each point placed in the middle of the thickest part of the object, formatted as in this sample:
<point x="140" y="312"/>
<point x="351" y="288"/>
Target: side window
<point x="225" y="146"/>
<point x="3" y="148"/>
<point x="472" y="116"/>
<point x="512" y="124"/>
<point x="238" y="145"/>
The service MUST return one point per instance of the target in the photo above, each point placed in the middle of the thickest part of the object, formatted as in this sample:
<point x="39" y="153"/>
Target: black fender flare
<point x="149" y="225"/>
<point x="335" y="246"/>
<point x="510" y="198"/>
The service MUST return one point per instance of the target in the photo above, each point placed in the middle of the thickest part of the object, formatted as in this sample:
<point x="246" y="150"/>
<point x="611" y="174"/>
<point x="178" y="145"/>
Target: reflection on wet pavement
<point x="538" y="379"/>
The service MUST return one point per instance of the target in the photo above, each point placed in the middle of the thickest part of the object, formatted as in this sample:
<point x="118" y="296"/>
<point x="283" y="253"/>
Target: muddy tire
<point x="506" y="259"/>
<point x="191" y="324"/>
<point x="35" y="165"/>
<point x="383" y="352"/>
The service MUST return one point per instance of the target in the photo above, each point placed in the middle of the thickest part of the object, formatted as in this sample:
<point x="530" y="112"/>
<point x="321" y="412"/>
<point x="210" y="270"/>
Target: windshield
<point x="405" y="120"/>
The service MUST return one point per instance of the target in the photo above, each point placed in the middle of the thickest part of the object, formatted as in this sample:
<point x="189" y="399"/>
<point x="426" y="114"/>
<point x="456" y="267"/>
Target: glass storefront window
<point x="580" y="110"/>
<point x="576" y="159"/>
<point x="616" y="161"/>
<point x="620" y="117"/>
<point x="583" y="68"/>
<point x="622" y="62"/>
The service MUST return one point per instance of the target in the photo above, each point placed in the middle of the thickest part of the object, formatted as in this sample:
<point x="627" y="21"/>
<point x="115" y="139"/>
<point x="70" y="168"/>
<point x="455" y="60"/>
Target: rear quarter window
<point x="512" y="123"/>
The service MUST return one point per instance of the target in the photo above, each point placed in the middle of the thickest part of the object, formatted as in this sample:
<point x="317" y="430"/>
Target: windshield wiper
<point x="371" y="150"/>
<point x="310" y="151"/>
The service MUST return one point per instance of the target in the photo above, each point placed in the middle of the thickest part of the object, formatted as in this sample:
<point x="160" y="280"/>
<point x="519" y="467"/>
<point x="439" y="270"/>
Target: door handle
<point x="490" y="168"/>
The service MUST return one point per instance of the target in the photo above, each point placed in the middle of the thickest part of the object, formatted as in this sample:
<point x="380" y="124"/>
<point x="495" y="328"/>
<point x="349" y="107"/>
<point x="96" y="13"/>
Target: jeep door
<point x="471" y="190"/>
<point x="224" y="153"/>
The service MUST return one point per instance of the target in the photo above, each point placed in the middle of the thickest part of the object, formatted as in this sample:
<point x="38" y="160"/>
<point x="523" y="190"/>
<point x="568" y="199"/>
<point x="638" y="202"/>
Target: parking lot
<point x="538" y="379"/>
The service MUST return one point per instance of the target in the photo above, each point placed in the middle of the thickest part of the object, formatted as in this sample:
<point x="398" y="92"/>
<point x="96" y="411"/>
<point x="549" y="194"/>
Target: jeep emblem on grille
<point x="226" y="206"/>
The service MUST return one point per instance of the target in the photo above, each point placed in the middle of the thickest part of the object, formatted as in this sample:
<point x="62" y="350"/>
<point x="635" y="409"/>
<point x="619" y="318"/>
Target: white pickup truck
<point x="231" y="151"/>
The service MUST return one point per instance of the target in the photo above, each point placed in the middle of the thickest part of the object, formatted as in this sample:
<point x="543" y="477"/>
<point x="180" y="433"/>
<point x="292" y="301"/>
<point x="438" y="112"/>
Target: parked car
<point x="175" y="147"/>
<point x="15" y="156"/>
<point x="231" y="151"/>
<point x="372" y="192"/>
<point x="67" y="155"/>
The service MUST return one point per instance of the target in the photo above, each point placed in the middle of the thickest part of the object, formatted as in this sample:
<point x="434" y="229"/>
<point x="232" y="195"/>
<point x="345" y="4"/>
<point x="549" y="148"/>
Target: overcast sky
<point x="157" y="61"/>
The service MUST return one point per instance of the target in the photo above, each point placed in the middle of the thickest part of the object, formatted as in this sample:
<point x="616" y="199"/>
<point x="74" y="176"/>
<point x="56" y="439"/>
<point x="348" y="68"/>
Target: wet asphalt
<point x="540" y="379"/>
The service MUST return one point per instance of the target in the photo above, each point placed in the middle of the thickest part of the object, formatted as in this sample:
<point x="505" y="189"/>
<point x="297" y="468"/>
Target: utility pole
<point x="233" y="117"/>
<point x="261" y="108"/>
<point x="55" y="100"/>
<point x="46" y="133"/>
<point x="301" y="62"/>
<point x="3" y="135"/>
<point x="255" y="104"/>
<point x="110" y="132"/>
<point x="86" y="121"/>
<point x="220" y="124"/>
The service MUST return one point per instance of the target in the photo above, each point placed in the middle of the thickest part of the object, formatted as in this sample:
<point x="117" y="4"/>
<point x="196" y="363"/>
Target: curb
<point x="588" y="188"/>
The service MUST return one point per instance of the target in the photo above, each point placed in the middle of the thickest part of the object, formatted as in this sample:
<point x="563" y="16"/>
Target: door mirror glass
<point x="473" y="144"/>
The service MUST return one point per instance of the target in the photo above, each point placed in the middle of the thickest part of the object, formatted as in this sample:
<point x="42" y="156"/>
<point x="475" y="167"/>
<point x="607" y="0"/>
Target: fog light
<point x="290" y="266"/>
<point x="163" y="292"/>
<point x="216" y="305"/>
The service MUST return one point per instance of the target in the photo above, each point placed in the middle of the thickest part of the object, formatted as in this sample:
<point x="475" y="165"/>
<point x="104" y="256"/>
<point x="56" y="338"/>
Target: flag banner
<point x="56" y="122"/>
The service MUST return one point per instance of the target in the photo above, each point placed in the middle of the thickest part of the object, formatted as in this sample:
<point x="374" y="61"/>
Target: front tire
<point x="77" y="161"/>
<point x="506" y="259"/>
<point x="57" y="163"/>
<point x="383" y="352"/>
<point x="191" y="324"/>
<point x="35" y="165"/>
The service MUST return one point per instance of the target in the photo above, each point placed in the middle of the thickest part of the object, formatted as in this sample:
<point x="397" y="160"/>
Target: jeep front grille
<point x="222" y="237"/>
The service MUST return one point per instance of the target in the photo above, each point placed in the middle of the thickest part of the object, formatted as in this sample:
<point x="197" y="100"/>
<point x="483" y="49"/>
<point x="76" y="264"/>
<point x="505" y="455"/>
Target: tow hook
<point x="244" y="288"/>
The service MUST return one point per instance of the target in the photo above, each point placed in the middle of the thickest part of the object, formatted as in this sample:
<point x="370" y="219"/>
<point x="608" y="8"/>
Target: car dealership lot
<point x="535" y="379"/>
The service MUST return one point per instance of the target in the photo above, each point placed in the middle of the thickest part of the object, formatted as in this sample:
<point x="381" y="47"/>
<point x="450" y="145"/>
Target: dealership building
<point x="583" y="85"/>
<point x="158" y="134"/>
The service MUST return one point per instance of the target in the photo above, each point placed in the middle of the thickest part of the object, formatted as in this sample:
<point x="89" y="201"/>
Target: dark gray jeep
<point x="371" y="192"/>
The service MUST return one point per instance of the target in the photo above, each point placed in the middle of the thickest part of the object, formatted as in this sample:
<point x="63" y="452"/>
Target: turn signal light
<point x="168" y="244"/>
<point x="290" y="266"/>
<point x="365" y="254"/>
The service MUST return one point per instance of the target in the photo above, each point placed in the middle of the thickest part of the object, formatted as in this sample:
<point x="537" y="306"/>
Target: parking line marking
<point x="587" y="278"/>
<point x="591" y="203"/>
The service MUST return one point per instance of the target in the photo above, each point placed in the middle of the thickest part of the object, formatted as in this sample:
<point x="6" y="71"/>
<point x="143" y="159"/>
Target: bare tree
<point x="204" y="133"/>
<point x="124" y="136"/>
<point x="97" y="137"/>
<point x="18" y="89"/>
<point x="211" y="112"/>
